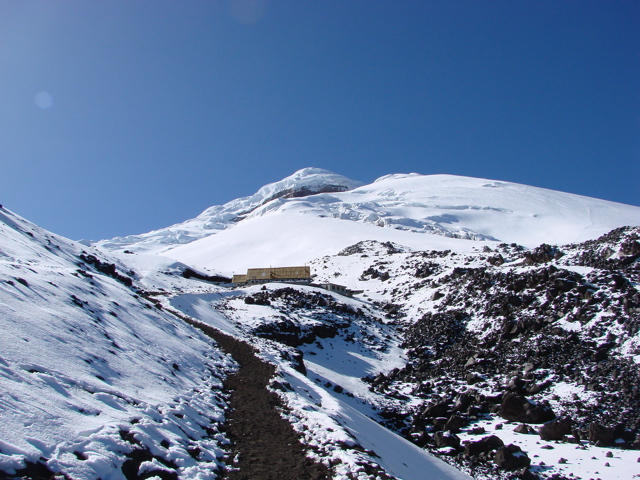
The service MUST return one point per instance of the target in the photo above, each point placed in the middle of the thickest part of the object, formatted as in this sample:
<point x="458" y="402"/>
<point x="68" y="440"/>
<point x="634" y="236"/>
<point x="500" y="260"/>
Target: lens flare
<point x="43" y="100"/>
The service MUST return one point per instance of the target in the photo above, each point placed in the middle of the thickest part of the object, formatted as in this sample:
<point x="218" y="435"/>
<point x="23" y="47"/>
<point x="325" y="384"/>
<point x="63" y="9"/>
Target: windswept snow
<point x="286" y="238"/>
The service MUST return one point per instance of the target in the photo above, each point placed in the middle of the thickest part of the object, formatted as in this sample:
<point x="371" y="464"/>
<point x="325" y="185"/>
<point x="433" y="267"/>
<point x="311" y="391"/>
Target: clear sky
<point x="118" y="117"/>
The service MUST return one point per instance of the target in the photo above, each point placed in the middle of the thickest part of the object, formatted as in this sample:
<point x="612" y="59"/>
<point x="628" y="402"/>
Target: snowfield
<point x="466" y="328"/>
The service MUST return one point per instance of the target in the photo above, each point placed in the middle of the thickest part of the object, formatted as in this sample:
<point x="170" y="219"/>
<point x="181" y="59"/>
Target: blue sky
<point x="119" y="117"/>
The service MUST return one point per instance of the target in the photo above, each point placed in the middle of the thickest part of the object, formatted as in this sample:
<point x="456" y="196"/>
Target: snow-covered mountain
<point x="274" y="227"/>
<point x="498" y="328"/>
<point x="305" y="182"/>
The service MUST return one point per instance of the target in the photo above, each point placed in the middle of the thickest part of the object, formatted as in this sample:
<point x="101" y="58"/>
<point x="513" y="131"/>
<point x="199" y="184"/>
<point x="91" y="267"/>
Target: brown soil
<point x="266" y="445"/>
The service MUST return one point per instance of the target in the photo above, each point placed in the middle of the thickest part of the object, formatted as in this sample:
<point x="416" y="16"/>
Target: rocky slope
<point x="547" y="338"/>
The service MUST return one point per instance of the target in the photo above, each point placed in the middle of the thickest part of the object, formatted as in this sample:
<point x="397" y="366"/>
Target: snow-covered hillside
<point x="423" y="212"/>
<point x="94" y="379"/>
<point x="510" y="362"/>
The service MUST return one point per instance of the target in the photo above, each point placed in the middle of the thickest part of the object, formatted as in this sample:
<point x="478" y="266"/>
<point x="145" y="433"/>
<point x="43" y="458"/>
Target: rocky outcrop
<point x="522" y="323"/>
<point x="601" y="435"/>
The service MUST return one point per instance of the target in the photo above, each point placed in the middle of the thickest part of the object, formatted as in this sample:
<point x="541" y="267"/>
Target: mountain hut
<point x="274" y="274"/>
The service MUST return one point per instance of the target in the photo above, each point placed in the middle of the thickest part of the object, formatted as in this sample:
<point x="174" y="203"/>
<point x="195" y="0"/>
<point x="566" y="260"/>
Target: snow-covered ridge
<point x="90" y="371"/>
<point x="304" y="182"/>
<point x="396" y="175"/>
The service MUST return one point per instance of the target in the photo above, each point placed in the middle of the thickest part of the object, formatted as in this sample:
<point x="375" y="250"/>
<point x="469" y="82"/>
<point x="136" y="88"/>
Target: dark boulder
<point x="462" y="402"/>
<point x="601" y="435"/>
<point x="523" y="428"/>
<point x="455" y="423"/>
<point x="440" y="409"/>
<point x="446" y="439"/>
<point x="534" y="388"/>
<point x="516" y="408"/>
<point x="517" y="385"/>
<point x="526" y="474"/>
<point x="484" y="445"/>
<point x="476" y="431"/>
<point x="556" y="430"/>
<point x="511" y="457"/>
<point x="473" y="378"/>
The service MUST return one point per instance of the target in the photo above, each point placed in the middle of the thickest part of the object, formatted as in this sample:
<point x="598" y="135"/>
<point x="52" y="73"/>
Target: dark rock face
<point x="107" y="268"/>
<point x="511" y="457"/>
<point x="516" y="408"/>
<point x="524" y="313"/>
<point x="299" y="192"/>
<point x="485" y="445"/>
<point x="542" y="254"/>
<point x="556" y="430"/>
<point x="190" y="273"/>
<point x="286" y="330"/>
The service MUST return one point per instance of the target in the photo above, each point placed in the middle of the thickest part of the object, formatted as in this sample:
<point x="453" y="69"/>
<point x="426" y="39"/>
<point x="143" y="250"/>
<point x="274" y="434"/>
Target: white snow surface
<point x="82" y="359"/>
<point x="420" y="211"/>
<point x="583" y="460"/>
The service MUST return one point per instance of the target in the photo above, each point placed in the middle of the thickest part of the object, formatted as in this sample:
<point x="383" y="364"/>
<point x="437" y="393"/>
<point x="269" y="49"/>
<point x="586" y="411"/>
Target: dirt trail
<point x="267" y="446"/>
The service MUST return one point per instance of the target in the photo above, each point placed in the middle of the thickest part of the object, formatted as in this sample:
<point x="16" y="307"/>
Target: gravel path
<point x="265" y="444"/>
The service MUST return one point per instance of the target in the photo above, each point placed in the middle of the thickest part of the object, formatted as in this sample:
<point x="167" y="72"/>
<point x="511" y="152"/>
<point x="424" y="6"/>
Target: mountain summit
<point x="304" y="182"/>
<point x="315" y="212"/>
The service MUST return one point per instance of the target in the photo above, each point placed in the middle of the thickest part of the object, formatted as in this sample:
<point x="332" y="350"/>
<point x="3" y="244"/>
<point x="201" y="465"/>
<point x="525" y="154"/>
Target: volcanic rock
<point x="484" y="445"/>
<point x="517" y="408"/>
<point x="601" y="435"/>
<point x="511" y="457"/>
<point x="556" y="430"/>
<point x="446" y="439"/>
